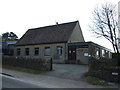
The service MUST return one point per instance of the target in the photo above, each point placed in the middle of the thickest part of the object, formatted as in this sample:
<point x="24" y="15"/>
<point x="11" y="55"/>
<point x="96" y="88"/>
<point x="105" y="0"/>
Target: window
<point x="59" y="50"/>
<point x="36" y="51"/>
<point x="109" y="54"/>
<point x="97" y="52"/>
<point x="47" y="51"/>
<point x="27" y="51"/>
<point x="103" y="53"/>
<point x="18" y="51"/>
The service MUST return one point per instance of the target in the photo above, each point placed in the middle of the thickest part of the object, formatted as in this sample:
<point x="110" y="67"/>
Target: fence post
<point x="51" y="64"/>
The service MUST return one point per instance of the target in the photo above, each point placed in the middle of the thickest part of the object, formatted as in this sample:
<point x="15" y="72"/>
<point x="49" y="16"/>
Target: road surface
<point x="11" y="82"/>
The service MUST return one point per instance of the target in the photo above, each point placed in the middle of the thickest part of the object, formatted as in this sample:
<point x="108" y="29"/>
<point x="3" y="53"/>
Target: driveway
<point x="68" y="71"/>
<point x="63" y="76"/>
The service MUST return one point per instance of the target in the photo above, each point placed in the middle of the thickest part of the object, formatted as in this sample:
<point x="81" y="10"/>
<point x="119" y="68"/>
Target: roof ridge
<point x="54" y="25"/>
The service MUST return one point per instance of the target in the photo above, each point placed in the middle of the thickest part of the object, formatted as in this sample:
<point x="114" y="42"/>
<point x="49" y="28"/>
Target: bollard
<point x="51" y="64"/>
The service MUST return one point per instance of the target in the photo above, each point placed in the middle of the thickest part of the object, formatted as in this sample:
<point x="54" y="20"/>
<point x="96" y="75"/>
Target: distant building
<point x="61" y="42"/>
<point x="7" y="47"/>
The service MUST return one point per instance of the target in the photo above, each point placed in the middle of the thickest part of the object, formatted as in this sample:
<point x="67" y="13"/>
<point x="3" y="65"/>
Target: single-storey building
<point x="7" y="47"/>
<point x="61" y="42"/>
<point x="81" y="51"/>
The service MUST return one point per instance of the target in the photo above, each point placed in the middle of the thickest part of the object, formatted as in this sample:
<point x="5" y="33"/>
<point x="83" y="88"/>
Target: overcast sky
<point x="20" y="15"/>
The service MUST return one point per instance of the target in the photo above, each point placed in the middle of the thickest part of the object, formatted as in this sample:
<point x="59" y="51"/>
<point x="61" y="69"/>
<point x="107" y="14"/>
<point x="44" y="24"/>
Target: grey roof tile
<point x="48" y="34"/>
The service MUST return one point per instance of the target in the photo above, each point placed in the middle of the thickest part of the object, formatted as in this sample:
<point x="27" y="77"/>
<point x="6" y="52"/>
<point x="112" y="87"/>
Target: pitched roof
<point x="49" y="34"/>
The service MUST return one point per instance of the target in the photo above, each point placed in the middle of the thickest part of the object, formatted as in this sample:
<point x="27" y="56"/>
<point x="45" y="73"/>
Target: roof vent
<point x="56" y="23"/>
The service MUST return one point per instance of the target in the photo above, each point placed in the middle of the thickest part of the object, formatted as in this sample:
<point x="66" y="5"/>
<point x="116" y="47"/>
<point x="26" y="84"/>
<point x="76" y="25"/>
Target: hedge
<point x="30" y="63"/>
<point x="106" y="69"/>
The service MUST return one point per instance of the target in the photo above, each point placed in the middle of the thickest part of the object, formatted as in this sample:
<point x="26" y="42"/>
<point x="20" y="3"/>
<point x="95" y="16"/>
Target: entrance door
<point x="71" y="53"/>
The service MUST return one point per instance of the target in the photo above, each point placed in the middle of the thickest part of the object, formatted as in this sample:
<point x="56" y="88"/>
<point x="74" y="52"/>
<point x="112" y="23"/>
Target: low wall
<point x="30" y="63"/>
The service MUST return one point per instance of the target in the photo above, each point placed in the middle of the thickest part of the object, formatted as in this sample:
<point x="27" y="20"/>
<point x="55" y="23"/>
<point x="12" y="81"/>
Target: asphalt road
<point x="11" y="82"/>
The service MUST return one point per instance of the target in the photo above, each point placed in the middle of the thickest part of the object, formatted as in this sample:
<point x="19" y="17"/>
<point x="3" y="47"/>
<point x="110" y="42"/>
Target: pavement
<point x="62" y="76"/>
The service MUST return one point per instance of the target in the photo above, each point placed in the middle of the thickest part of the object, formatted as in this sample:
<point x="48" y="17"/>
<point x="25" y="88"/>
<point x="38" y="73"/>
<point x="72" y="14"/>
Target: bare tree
<point x="105" y="23"/>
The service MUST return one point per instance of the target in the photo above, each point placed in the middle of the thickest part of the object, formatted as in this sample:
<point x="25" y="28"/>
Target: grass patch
<point x="97" y="81"/>
<point x="23" y="69"/>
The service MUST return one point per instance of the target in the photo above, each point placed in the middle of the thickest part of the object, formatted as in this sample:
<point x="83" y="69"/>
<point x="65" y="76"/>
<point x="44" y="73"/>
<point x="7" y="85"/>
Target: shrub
<point x="104" y="68"/>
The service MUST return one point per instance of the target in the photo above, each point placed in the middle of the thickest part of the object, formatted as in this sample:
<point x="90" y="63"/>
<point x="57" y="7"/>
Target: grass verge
<point x="97" y="81"/>
<point x="23" y="69"/>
